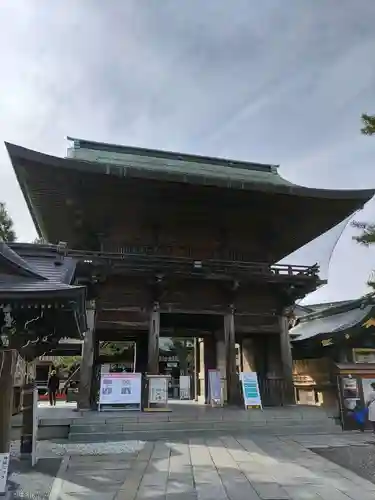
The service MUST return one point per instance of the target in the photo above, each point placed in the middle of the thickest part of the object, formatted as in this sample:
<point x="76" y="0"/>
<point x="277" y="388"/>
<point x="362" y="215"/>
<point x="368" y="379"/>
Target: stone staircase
<point x="116" y="426"/>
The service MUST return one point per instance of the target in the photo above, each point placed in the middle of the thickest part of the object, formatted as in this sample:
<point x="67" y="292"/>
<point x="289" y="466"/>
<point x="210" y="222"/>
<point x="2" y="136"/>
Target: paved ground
<point x="359" y="459"/>
<point x="228" y="468"/>
<point x="33" y="483"/>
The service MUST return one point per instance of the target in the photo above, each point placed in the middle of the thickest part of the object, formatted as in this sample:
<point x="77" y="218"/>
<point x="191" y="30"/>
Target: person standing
<point x="53" y="387"/>
<point x="371" y="406"/>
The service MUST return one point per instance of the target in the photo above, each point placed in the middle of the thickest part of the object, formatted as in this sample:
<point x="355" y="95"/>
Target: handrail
<point x="149" y="260"/>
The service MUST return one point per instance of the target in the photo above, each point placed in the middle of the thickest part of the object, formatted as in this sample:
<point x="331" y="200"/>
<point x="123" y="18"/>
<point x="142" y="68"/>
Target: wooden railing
<point x="137" y="261"/>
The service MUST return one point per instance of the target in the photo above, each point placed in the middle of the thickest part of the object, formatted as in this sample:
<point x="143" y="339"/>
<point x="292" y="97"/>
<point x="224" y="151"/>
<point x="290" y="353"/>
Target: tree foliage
<point x="7" y="232"/>
<point x="368" y="122"/>
<point x="367" y="230"/>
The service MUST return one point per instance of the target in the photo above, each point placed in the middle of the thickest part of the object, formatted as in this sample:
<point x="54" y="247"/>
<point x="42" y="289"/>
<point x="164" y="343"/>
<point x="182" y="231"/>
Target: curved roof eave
<point x="17" y="264"/>
<point x="361" y="196"/>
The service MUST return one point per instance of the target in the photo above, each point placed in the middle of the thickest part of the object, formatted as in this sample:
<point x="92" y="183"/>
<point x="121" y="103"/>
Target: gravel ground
<point x="47" y="449"/>
<point x="358" y="459"/>
<point x="26" y="482"/>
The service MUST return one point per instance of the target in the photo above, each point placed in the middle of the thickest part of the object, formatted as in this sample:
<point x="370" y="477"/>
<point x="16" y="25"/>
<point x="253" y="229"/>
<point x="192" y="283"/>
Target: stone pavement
<point x="226" y="468"/>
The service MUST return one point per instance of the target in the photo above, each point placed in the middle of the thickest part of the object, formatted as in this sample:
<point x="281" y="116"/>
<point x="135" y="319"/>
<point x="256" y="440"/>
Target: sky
<point x="281" y="82"/>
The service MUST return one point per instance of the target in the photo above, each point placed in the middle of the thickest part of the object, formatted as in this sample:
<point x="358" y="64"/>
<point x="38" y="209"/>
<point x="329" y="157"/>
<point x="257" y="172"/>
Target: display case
<point x="354" y="385"/>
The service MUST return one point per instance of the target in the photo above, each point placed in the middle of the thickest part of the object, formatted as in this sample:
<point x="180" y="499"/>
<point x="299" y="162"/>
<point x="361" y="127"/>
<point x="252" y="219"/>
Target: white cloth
<point x="371" y="406"/>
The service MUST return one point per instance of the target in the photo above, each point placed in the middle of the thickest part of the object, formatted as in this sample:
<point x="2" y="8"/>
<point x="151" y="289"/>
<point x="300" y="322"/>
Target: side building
<point x="182" y="246"/>
<point x="334" y="356"/>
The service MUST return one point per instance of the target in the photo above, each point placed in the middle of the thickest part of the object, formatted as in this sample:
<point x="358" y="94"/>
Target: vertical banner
<point x="184" y="387"/>
<point x="34" y="458"/>
<point x="214" y="387"/>
<point x="4" y="466"/>
<point x="250" y="390"/>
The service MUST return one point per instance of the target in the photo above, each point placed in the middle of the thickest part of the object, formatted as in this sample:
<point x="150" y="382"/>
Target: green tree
<point x="366" y="236"/>
<point x="368" y="122"/>
<point x="7" y="232"/>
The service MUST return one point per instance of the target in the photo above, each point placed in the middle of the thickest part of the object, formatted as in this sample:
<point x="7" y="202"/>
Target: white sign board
<point x="184" y="387"/>
<point x="250" y="389"/>
<point x="120" y="388"/>
<point x="34" y="458"/>
<point x="4" y="465"/>
<point x="158" y="390"/>
<point x="214" y="386"/>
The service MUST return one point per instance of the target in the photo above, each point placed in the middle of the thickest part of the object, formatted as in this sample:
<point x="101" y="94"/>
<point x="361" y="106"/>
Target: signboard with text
<point x="158" y="390"/>
<point x="184" y="387"/>
<point x="250" y="390"/>
<point x="120" y="389"/>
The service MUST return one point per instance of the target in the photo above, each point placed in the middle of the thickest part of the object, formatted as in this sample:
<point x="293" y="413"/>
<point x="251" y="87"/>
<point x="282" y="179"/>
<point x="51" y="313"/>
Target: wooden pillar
<point x="8" y="359"/>
<point x="87" y="362"/>
<point x="141" y="354"/>
<point x="153" y="340"/>
<point x="286" y="361"/>
<point x="233" y="385"/>
<point x="28" y="416"/>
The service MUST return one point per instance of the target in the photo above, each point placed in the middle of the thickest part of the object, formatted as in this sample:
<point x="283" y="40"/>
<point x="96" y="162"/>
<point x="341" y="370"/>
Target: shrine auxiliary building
<point x="185" y="246"/>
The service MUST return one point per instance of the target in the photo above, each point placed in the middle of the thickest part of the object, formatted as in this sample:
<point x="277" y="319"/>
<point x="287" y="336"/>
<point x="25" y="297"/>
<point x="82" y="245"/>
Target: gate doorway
<point x="176" y="358"/>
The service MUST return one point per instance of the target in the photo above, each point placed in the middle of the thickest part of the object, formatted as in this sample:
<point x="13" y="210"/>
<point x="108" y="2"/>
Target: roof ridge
<point x="176" y="155"/>
<point x="341" y="307"/>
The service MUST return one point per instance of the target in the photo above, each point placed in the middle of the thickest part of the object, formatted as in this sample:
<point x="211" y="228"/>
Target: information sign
<point x="184" y="387"/>
<point x="250" y="390"/>
<point x="158" y="390"/>
<point x="214" y="387"/>
<point x="120" y="389"/>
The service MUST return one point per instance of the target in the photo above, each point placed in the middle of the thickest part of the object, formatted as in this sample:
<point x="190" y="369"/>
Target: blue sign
<point x="250" y="389"/>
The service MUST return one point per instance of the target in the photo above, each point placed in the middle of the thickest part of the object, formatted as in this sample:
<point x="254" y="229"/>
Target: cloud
<point x="280" y="82"/>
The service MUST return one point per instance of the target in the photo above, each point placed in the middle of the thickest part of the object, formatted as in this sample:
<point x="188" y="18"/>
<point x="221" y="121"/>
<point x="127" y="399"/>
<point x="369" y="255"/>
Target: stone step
<point x="156" y="435"/>
<point x="164" y="430"/>
<point x="266" y="416"/>
<point x="118" y="426"/>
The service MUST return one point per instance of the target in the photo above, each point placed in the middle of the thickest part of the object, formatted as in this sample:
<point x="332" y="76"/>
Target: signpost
<point x="120" y="391"/>
<point x="214" y="388"/>
<point x="157" y="393"/>
<point x="250" y="390"/>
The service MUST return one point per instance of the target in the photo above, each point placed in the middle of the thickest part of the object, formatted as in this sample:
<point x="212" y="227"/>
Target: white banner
<point x="250" y="389"/>
<point x="214" y="386"/>
<point x="158" y="390"/>
<point x="120" y="388"/>
<point x="4" y="465"/>
<point x="184" y="387"/>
